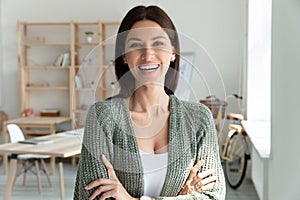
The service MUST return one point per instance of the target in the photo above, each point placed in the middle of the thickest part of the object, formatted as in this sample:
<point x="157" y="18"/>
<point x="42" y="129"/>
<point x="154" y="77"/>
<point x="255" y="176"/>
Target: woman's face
<point x="148" y="52"/>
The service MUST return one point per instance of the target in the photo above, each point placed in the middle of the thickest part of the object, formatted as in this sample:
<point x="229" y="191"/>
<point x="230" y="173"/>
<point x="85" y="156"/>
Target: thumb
<point x="109" y="167"/>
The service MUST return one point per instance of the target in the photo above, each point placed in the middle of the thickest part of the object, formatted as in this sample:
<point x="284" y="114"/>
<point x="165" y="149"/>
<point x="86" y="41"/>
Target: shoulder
<point x="106" y="109"/>
<point x="195" y="108"/>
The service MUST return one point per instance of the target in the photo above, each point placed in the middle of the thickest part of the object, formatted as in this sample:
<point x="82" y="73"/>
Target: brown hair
<point x="139" y="13"/>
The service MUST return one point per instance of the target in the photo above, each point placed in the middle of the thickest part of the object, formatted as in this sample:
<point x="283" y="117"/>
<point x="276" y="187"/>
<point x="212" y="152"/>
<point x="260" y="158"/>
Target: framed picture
<point x="186" y="68"/>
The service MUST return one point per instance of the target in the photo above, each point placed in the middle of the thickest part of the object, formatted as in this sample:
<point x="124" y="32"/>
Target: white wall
<point x="217" y="26"/>
<point x="1" y="64"/>
<point x="284" y="168"/>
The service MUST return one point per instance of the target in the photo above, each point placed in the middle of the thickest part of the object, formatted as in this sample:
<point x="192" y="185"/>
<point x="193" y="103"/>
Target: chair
<point x="16" y="135"/>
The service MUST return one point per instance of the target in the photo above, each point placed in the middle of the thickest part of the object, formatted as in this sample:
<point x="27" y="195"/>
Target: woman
<point x="144" y="142"/>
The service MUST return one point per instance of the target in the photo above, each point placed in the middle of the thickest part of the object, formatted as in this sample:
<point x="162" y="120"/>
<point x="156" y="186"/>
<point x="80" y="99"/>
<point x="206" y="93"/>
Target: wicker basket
<point x="214" y="104"/>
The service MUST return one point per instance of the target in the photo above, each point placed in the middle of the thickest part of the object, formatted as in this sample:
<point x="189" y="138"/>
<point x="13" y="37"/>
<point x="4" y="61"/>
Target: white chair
<point x="16" y="135"/>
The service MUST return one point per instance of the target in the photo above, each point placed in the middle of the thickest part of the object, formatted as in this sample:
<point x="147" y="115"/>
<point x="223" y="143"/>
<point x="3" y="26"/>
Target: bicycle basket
<point x="215" y="104"/>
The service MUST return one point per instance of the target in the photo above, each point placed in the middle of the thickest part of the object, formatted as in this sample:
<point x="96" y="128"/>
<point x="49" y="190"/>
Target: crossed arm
<point x="112" y="187"/>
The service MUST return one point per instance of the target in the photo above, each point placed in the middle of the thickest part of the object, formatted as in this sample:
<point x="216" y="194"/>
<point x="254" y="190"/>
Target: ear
<point x="124" y="59"/>
<point x="173" y="57"/>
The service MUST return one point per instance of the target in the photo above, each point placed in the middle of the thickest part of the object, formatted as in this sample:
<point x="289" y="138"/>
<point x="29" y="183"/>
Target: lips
<point x="149" y="67"/>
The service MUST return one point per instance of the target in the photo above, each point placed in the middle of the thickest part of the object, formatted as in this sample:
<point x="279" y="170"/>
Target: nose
<point x="148" y="54"/>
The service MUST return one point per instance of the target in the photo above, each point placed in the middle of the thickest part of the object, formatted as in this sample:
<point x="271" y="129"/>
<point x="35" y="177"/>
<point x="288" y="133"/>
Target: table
<point x="41" y="125"/>
<point x="64" y="145"/>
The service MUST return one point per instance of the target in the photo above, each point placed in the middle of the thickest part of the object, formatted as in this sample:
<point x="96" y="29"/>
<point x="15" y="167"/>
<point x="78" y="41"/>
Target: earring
<point x="173" y="58"/>
<point x="125" y="61"/>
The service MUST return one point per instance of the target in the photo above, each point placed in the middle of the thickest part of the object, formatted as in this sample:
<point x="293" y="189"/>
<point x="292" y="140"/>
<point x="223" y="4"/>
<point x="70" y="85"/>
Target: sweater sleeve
<point x="94" y="144"/>
<point x="207" y="150"/>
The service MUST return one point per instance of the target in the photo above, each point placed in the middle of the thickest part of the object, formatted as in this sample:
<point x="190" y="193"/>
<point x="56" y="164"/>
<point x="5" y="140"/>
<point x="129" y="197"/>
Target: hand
<point x="198" y="182"/>
<point x="110" y="187"/>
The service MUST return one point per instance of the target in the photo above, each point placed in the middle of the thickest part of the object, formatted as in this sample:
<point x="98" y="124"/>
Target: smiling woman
<point x="145" y="143"/>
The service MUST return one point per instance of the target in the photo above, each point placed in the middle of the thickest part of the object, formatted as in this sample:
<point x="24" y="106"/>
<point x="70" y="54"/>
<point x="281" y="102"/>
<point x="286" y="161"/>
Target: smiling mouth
<point x="148" y="67"/>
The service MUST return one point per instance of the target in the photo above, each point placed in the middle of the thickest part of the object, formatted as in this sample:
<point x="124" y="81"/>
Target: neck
<point x="146" y="97"/>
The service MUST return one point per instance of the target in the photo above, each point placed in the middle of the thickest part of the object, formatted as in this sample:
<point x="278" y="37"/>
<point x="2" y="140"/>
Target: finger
<point x="187" y="189"/>
<point x="98" y="182"/>
<point x="101" y="189"/>
<point x="208" y="186"/>
<point x="109" y="167"/>
<point x="114" y="194"/>
<point x="208" y="180"/>
<point x="107" y="195"/>
<point x="204" y="180"/>
<point x="195" y="169"/>
<point x="206" y="173"/>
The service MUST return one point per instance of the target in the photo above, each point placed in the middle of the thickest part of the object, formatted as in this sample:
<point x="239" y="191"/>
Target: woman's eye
<point x="158" y="44"/>
<point x="135" y="45"/>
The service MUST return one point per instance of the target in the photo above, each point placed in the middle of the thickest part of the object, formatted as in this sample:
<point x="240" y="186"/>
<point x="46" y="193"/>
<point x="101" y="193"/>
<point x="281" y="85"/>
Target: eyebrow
<point x="138" y="39"/>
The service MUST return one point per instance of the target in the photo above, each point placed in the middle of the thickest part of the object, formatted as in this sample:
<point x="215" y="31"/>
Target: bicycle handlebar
<point x="237" y="96"/>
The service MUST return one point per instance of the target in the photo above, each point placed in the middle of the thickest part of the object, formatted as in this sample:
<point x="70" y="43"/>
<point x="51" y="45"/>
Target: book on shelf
<point x="62" y="60"/>
<point x="36" y="141"/>
<point x="59" y="60"/>
<point x="78" y="81"/>
<point x="66" y="59"/>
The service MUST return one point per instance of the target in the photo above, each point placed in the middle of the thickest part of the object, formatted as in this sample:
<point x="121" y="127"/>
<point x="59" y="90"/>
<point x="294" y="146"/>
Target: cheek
<point x="131" y="57"/>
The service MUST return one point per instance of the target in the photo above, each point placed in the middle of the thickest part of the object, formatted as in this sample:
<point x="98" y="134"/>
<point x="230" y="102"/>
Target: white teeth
<point x="148" y="67"/>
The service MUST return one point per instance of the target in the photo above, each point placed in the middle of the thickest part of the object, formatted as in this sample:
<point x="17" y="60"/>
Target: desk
<point x="45" y="124"/>
<point x="64" y="145"/>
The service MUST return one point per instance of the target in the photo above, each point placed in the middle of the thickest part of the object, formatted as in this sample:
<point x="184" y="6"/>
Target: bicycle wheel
<point x="235" y="169"/>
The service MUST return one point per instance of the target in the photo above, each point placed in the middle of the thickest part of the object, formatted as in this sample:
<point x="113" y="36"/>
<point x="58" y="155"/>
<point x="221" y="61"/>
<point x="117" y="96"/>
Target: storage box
<point x="50" y="113"/>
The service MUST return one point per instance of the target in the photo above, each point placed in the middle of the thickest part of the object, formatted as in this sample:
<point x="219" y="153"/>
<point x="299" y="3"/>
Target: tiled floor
<point x="30" y="190"/>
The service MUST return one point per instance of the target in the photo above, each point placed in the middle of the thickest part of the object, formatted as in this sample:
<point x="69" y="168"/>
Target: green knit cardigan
<point x="109" y="131"/>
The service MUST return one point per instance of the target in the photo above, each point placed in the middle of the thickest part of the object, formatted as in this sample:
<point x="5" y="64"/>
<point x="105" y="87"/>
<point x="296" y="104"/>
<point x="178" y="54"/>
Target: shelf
<point x="87" y="66"/>
<point x="80" y="111"/>
<point x="85" y="89"/>
<point x="87" y="44"/>
<point x="46" y="67"/>
<point x="45" y="23"/>
<point x="41" y="82"/>
<point x="94" y="89"/>
<point x="33" y="44"/>
<point x="46" y="88"/>
<point x="259" y="133"/>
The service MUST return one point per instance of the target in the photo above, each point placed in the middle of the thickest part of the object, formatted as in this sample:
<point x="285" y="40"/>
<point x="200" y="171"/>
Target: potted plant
<point x="89" y="36"/>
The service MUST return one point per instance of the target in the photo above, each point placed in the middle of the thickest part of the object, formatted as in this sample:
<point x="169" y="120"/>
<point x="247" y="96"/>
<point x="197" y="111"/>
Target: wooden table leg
<point x="61" y="181"/>
<point x="5" y="161"/>
<point x="52" y="159"/>
<point x="52" y="165"/>
<point x="10" y="178"/>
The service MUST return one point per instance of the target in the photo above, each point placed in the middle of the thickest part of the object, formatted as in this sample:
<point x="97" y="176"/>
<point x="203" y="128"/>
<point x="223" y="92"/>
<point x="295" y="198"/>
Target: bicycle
<point x="235" y="150"/>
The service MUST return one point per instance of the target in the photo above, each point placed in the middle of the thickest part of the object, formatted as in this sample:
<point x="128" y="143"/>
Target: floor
<point x="30" y="190"/>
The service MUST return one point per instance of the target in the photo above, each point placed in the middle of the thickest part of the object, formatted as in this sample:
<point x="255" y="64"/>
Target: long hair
<point x="123" y="74"/>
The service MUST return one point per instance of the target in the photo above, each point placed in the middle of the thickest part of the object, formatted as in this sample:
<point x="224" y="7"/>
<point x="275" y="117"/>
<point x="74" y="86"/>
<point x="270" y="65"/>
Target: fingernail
<point x="201" y="162"/>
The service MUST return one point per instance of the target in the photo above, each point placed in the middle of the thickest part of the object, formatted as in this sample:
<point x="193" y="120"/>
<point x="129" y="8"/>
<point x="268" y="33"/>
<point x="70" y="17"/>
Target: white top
<point x="155" y="170"/>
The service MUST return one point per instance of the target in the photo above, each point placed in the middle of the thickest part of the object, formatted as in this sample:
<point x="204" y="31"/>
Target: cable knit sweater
<point x="109" y="131"/>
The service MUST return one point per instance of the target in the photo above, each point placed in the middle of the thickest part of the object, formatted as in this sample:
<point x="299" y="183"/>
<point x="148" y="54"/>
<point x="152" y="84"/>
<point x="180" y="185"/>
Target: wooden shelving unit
<point x="46" y="82"/>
